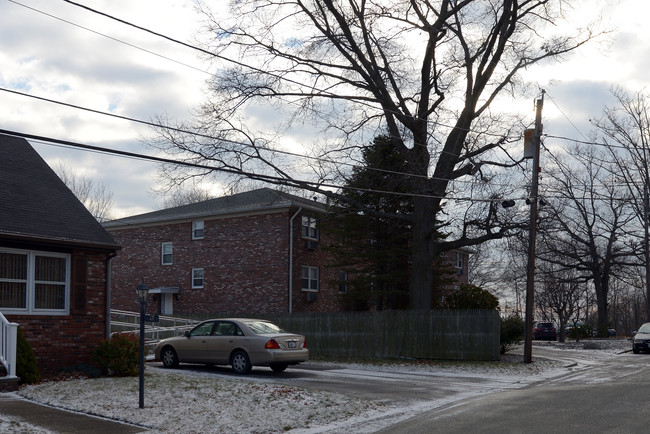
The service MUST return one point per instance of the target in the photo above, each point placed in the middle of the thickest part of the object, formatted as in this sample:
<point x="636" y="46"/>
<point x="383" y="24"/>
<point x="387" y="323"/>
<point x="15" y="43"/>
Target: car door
<point x="195" y="347"/>
<point x="225" y="339"/>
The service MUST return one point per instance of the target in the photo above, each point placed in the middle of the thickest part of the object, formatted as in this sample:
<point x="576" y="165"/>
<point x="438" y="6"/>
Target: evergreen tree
<point x="373" y="249"/>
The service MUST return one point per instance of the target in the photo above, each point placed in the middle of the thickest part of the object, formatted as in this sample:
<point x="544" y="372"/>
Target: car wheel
<point x="278" y="367"/>
<point x="169" y="357"/>
<point x="635" y="350"/>
<point x="240" y="362"/>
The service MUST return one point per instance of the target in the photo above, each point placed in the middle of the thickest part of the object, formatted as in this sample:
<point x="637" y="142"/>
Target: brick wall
<point x="64" y="341"/>
<point x="245" y="261"/>
<point x="327" y="298"/>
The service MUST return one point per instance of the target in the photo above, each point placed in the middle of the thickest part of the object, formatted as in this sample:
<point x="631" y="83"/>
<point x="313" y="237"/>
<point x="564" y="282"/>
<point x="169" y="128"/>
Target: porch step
<point x="8" y="384"/>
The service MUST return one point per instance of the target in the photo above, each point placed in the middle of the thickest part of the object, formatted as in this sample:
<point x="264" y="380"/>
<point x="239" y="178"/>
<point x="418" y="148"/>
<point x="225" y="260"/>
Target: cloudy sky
<point x="55" y="50"/>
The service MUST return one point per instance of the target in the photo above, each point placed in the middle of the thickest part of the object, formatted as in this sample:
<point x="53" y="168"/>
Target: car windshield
<point x="645" y="328"/>
<point x="264" y="327"/>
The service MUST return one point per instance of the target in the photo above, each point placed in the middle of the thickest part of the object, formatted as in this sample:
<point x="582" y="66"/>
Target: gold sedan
<point x="239" y="342"/>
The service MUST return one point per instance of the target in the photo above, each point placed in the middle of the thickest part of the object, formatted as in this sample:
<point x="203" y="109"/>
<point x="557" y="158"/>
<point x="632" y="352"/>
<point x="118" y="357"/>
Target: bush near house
<point x="26" y="366"/>
<point x="118" y="356"/>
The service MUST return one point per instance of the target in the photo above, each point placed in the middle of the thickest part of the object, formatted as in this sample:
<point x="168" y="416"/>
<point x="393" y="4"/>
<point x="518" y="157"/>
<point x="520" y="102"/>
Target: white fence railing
<point x="8" y="344"/>
<point x="123" y="321"/>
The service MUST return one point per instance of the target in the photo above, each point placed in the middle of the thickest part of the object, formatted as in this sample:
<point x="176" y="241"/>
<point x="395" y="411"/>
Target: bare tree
<point x="561" y="294"/>
<point x="587" y="216"/>
<point x="95" y="196"/>
<point x="625" y="129"/>
<point x="427" y="72"/>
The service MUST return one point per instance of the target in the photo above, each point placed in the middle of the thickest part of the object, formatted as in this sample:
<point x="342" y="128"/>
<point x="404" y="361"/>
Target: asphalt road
<point x="605" y="395"/>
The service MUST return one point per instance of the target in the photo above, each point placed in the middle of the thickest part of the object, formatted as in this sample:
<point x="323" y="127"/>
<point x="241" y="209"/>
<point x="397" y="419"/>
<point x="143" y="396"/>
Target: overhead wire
<point x="207" y="136"/>
<point x="162" y="56"/>
<point x="173" y="60"/>
<point x="236" y="62"/>
<point x="252" y="175"/>
<point x="193" y="47"/>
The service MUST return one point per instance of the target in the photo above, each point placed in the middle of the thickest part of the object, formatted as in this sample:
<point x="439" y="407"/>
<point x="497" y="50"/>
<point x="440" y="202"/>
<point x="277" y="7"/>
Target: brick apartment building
<point x="254" y="252"/>
<point x="54" y="259"/>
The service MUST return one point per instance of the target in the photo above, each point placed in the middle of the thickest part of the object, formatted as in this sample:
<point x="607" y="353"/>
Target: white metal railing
<point x="129" y="322"/>
<point x="8" y="344"/>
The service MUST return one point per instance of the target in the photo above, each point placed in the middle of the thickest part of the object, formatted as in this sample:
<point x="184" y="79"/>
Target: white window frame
<point x="170" y="253"/>
<point x="309" y="228"/>
<point x="195" y="271"/>
<point x="198" y="229"/>
<point x="30" y="283"/>
<point x="459" y="260"/>
<point x="311" y="276"/>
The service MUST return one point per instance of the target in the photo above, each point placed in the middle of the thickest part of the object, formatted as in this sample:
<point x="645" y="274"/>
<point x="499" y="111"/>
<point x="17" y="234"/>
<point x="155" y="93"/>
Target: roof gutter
<point x="291" y="259"/>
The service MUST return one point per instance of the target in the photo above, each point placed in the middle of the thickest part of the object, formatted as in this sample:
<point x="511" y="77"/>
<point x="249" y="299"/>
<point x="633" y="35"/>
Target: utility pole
<point x="532" y="234"/>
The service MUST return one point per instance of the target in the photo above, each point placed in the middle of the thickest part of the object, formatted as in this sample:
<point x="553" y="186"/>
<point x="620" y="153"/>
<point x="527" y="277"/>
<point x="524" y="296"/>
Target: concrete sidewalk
<point x="19" y="410"/>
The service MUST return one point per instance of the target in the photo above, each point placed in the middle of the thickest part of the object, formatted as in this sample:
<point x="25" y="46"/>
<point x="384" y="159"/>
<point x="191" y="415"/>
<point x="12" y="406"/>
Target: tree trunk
<point x="602" y="288"/>
<point x="421" y="280"/>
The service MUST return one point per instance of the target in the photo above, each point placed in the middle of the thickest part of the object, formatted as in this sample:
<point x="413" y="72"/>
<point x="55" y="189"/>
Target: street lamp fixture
<point x="142" y="298"/>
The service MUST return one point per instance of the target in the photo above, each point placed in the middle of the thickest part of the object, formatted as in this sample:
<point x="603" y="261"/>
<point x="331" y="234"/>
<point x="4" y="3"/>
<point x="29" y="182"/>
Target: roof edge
<point x="58" y="241"/>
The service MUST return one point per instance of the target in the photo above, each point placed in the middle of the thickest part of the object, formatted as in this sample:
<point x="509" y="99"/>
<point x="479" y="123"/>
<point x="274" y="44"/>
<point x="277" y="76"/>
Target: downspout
<point x="108" y="293"/>
<point x="291" y="259"/>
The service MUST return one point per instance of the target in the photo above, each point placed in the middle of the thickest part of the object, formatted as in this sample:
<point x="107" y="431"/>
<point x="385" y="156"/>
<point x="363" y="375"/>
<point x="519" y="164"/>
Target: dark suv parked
<point x="545" y="330"/>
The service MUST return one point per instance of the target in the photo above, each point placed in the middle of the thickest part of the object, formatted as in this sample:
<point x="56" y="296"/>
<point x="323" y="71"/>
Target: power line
<point x="251" y="175"/>
<point x="565" y="116"/>
<point x="207" y="136"/>
<point x="108" y="36"/>
<point x="321" y="159"/>
<point x="211" y="54"/>
<point x="319" y="92"/>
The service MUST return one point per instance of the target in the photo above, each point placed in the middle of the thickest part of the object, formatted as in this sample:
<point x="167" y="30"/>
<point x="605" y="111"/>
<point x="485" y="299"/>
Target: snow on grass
<point x="199" y="403"/>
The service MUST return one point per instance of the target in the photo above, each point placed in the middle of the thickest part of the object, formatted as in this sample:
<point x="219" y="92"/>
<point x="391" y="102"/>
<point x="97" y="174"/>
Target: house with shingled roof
<point x="54" y="261"/>
<point x="255" y="252"/>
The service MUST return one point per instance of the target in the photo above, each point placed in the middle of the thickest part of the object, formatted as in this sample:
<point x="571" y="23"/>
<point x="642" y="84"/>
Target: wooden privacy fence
<point x="441" y="335"/>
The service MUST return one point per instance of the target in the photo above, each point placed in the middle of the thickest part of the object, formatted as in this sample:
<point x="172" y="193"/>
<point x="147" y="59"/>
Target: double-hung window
<point x="459" y="260"/>
<point x="166" y="253"/>
<point x="197" y="278"/>
<point x="309" y="229"/>
<point x="34" y="282"/>
<point x="197" y="229"/>
<point x="309" y="278"/>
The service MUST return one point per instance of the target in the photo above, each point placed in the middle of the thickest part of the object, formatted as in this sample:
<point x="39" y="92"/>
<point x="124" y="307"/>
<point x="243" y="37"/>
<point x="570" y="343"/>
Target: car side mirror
<point x="187" y="333"/>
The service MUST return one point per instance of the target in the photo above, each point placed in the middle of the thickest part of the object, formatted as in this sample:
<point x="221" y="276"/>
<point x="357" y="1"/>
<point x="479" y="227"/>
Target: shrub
<point x="118" y="356"/>
<point x="472" y="297"/>
<point x="580" y="332"/>
<point x="26" y="366"/>
<point x="512" y="332"/>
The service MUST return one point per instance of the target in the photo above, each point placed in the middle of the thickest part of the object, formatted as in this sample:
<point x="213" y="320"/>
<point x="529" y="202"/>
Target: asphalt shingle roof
<point x="36" y="205"/>
<point x="250" y="201"/>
